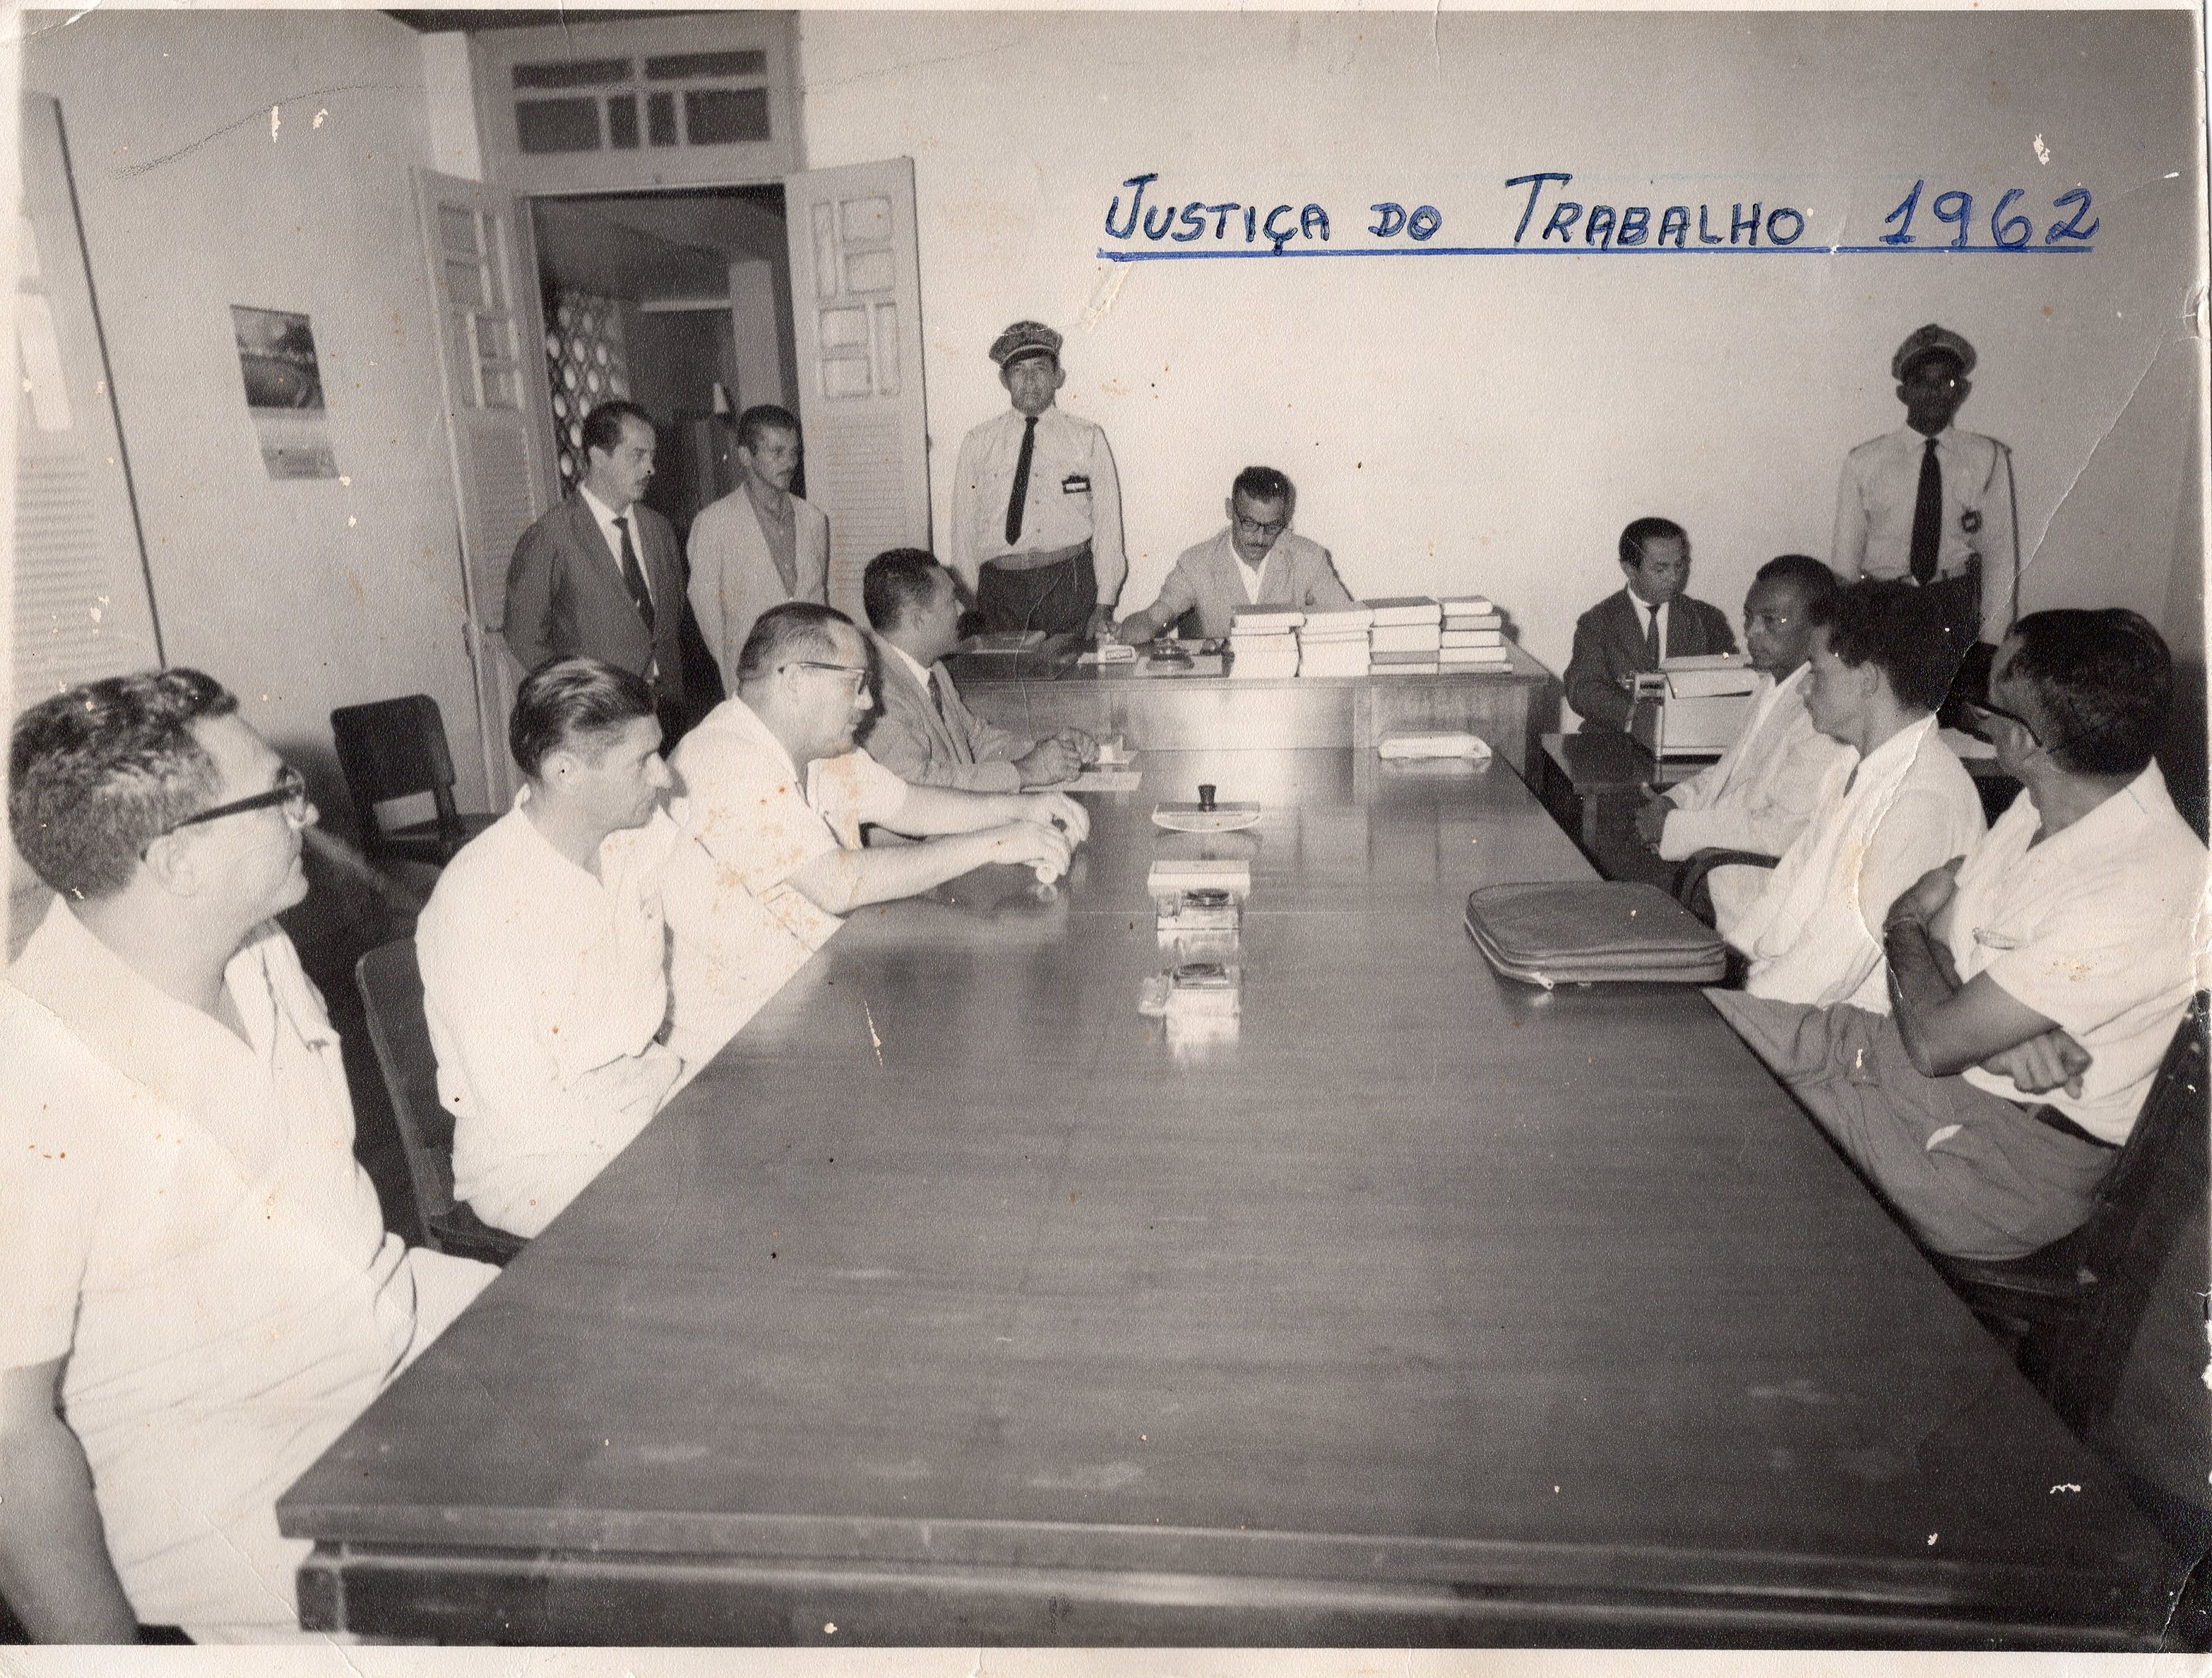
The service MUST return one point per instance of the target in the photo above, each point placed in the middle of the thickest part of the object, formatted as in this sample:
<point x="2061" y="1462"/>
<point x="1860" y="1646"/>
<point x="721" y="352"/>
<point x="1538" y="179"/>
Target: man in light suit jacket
<point x="1651" y="619"/>
<point x="759" y="545"/>
<point x="601" y="575"/>
<point x="920" y="731"/>
<point x="1256" y="561"/>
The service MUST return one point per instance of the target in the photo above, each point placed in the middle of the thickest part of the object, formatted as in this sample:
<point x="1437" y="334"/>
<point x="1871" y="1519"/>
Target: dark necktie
<point x="1927" y="516"/>
<point x="633" y="575"/>
<point x="1651" y="644"/>
<point x="1021" y="480"/>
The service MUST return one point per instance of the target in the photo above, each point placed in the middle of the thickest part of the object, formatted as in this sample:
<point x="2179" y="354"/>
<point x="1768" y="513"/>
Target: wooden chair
<point x="396" y="749"/>
<point x="2072" y="1308"/>
<point x="1690" y="889"/>
<point x="392" y="987"/>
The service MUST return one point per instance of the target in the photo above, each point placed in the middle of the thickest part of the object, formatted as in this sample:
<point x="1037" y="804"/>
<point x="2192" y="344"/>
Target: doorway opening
<point x="680" y="300"/>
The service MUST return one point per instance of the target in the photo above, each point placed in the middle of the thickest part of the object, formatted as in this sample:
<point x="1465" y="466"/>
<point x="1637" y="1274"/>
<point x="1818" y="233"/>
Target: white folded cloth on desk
<point x="1434" y="745"/>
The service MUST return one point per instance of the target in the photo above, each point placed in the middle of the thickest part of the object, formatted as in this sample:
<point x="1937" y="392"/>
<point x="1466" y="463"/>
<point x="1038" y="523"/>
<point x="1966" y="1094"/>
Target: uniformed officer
<point x="1933" y="505"/>
<point x="1036" y="507"/>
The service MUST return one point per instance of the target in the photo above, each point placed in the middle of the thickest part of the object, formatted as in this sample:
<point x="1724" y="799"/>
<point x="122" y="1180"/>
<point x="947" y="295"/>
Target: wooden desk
<point x="956" y="1304"/>
<point x="1035" y="695"/>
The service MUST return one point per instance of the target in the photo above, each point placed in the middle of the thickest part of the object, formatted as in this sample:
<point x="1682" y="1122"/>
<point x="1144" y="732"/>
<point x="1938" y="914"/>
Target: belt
<point x="1038" y="562"/>
<point x="2044" y="1114"/>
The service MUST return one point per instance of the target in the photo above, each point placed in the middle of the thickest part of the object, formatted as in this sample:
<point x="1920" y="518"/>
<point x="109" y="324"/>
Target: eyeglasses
<point x="291" y="790"/>
<point x="860" y="676"/>
<point x="1254" y="527"/>
<point x="1980" y="711"/>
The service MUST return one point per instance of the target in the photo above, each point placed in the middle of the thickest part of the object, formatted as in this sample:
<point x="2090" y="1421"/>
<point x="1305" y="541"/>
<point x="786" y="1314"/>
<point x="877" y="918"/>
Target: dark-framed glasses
<point x="1980" y="711"/>
<point x="1253" y="527"/>
<point x="858" y="674"/>
<point x="291" y="790"/>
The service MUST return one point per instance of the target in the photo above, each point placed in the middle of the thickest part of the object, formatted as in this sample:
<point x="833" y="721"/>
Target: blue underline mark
<point x="1613" y="251"/>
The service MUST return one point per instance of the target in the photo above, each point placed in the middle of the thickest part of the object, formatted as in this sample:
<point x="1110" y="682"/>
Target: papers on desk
<point x="1263" y="643"/>
<point x="1102" y="778"/>
<point x="1405" y="746"/>
<point x="1334" y="643"/>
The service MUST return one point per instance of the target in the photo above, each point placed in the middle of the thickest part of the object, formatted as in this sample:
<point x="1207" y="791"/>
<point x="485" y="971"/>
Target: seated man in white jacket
<point x="1900" y="805"/>
<point x="1762" y="791"/>
<point x="544" y="952"/>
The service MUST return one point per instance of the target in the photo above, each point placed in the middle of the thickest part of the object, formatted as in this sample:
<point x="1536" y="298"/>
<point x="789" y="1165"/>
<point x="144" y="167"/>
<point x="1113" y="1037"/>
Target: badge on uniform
<point x="1075" y="483"/>
<point x="1971" y="520"/>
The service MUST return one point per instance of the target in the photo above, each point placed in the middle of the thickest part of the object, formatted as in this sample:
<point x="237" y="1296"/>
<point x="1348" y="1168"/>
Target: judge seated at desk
<point x="1257" y="560"/>
<point x="1652" y="618"/>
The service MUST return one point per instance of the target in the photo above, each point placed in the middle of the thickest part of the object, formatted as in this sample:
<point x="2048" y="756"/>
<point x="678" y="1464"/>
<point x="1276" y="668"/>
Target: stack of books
<point x="1473" y="637"/>
<point x="1407" y="632"/>
<point x="1263" y="643"/>
<point x="1334" y="643"/>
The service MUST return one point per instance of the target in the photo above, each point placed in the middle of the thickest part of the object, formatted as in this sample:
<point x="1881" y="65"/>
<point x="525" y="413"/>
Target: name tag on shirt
<point x="1075" y="483"/>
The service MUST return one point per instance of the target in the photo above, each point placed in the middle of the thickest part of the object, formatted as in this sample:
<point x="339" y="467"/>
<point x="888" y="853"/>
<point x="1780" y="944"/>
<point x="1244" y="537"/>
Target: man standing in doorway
<point x="601" y="575"/>
<point x="1932" y="505"/>
<point x="1036" y="507"/>
<point x="759" y="545"/>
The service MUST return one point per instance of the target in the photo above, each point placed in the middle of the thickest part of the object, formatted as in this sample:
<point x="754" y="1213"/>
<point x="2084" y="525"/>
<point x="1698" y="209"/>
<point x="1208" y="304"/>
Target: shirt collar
<point x="1944" y="438"/>
<point x="742" y="719"/>
<point x="600" y="510"/>
<point x="1895" y="754"/>
<point x="914" y="666"/>
<point x="2145" y="798"/>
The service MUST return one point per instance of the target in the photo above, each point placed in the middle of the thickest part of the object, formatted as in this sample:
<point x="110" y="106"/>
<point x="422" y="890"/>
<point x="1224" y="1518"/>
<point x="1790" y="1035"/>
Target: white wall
<point x="302" y="595"/>
<point x="1492" y="422"/>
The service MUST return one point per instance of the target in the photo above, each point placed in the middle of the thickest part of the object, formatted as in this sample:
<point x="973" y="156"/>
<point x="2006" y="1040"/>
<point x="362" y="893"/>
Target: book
<point x="1472" y="638"/>
<point x="1345" y="619"/>
<point x="1404" y="638"/>
<point x="1264" y="618"/>
<point x="1406" y="609"/>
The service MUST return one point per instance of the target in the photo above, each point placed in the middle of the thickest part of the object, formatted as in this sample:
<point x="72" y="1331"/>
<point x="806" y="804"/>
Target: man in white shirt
<point x="775" y="798"/>
<point x="1898" y="805"/>
<point x="1037" y="505"/>
<point x="544" y="953"/>
<point x="2038" y="980"/>
<point x="920" y="731"/>
<point x="1762" y="791"/>
<point x="1257" y="560"/>
<point x="202" y="1295"/>
<point x="759" y="545"/>
<point x="1930" y="505"/>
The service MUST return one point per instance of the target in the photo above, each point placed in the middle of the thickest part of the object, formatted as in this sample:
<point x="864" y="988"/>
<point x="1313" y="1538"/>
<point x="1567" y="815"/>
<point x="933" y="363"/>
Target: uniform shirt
<point x="1814" y="935"/>
<point x="182" y="1218"/>
<point x="739" y="928"/>
<point x="544" y="988"/>
<point x="2095" y="929"/>
<point x="1074" y="496"/>
<point x="1761" y="793"/>
<point x="1881" y="488"/>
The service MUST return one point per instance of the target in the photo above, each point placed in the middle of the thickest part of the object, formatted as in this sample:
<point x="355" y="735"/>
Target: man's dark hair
<point x="795" y="629"/>
<point x="1814" y="582"/>
<point x="761" y="418"/>
<point x="98" y="773"/>
<point x="1642" y="531"/>
<point x="897" y="581"/>
<point x="603" y="426"/>
<point x="2102" y="683"/>
<point x="1264" y="484"/>
<point x="573" y="702"/>
<point x="1896" y="628"/>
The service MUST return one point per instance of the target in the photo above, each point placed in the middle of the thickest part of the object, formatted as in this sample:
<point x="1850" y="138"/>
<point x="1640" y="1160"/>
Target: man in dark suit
<point x="1651" y="619"/>
<point x="601" y="575"/>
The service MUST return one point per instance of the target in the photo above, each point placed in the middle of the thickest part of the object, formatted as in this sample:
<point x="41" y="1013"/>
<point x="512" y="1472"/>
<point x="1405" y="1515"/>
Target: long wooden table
<point x="956" y="1303"/>
<point x="1033" y="694"/>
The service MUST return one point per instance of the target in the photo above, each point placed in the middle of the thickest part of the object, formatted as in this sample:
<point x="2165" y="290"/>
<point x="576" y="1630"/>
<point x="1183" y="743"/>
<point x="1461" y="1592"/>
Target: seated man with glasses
<point x="544" y="954"/>
<point x="2037" y="980"/>
<point x="1257" y="560"/>
<point x="775" y="796"/>
<point x="1762" y="791"/>
<point x="201" y="1294"/>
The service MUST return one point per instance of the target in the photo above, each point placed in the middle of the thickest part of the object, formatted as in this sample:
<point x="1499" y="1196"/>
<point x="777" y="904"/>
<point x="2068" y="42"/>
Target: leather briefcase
<point x="1580" y="933"/>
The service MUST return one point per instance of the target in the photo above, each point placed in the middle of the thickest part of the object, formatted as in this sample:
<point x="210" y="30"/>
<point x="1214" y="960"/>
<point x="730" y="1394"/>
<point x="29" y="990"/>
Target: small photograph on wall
<point x="285" y="392"/>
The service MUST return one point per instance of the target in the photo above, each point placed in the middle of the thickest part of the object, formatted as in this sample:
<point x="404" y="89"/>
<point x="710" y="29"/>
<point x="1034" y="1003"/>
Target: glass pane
<point x="867" y="221"/>
<point x="499" y="388"/>
<point x="887" y="349"/>
<point x="494" y="337"/>
<point x="621" y="122"/>
<point x="461" y="347"/>
<point x="843" y="329"/>
<point x="868" y="271"/>
<point x="457" y="230"/>
<point x="544" y="126"/>
<point x="465" y="284"/>
<point x="825" y="250"/>
<point x="692" y="66"/>
<point x="845" y="377"/>
<point x="572" y="73"/>
<point x="725" y="116"/>
<point x="661" y="119"/>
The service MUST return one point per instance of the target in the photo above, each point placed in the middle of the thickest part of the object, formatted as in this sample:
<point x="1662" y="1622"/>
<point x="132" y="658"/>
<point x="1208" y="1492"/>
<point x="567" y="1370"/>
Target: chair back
<point x="396" y="749"/>
<point x="391" y="989"/>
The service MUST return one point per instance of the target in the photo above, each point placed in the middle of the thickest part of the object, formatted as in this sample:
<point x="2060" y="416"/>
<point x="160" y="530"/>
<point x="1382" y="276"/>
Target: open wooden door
<point x="856" y="311"/>
<point x="82" y="605"/>
<point x="482" y="274"/>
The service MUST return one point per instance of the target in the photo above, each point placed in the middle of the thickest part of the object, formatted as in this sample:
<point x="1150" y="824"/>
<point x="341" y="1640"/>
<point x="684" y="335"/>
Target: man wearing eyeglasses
<point x="2037" y="980"/>
<point x="775" y="798"/>
<point x="1257" y="560"/>
<point x="1932" y="505"/>
<point x="201" y="1294"/>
